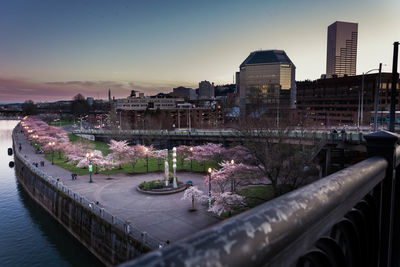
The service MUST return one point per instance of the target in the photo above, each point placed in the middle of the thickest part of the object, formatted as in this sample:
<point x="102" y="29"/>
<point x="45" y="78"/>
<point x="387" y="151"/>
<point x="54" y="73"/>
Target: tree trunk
<point x="133" y="167"/>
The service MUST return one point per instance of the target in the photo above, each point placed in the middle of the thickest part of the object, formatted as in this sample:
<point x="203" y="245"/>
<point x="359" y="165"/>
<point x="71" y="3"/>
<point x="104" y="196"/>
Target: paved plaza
<point x="165" y="217"/>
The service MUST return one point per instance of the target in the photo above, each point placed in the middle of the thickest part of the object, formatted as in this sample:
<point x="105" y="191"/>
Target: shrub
<point x="155" y="184"/>
<point x="171" y="178"/>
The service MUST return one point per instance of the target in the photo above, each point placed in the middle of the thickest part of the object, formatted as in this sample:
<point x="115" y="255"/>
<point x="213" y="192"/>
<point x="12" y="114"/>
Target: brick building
<point x="337" y="101"/>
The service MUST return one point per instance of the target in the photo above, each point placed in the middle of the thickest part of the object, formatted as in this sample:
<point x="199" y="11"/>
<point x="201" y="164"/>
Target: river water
<point x="28" y="235"/>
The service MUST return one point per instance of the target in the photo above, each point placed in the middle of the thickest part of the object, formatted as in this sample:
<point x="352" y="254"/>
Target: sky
<point x="52" y="50"/>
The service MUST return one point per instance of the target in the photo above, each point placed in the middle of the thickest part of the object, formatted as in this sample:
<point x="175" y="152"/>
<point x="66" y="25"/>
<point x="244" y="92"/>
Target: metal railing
<point x="320" y="135"/>
<point x="345" y="219"/>
<point x="129" y="229"/>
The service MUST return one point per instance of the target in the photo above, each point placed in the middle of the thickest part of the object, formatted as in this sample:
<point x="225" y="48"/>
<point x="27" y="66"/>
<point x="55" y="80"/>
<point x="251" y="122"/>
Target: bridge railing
<point x="345" y="219"/>
<point x="328" y="136"/>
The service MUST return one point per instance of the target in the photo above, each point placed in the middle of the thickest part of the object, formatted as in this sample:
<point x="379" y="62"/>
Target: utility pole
<point x="378" y="88"/>
<point x="395" y="78"/>
<point x="362" y="100"/>
<point x="190" y="119"/>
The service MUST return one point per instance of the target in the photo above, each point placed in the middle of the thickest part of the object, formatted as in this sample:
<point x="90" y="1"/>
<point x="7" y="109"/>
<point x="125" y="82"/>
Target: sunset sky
<point x="52" y="50"/>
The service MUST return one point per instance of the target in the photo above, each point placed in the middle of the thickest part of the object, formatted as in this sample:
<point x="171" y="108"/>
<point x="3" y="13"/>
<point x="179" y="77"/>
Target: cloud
<point x="19" y="89"/>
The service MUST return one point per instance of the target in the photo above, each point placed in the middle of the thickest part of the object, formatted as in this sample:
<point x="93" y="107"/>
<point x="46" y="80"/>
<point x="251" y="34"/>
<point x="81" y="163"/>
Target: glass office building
<point x="267" y="80"/>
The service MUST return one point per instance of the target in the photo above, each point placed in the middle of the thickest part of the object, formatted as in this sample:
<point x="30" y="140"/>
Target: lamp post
<point x="89" y="157"/>
<point x="209" y="187"/>
<point x="147" y="160"/>
<point x="232" y="183"/>
<point x="35" y="137"/>
<point x="175" y="184"/>
<point x="166" y="167"/>
<point x="378" y="88"/>
<point x="191" y="160"/>
<point x="51" y="144"/>
<point x="362" y="95"/>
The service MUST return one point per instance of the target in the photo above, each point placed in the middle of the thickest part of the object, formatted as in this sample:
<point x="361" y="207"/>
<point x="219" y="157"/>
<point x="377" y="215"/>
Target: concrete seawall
<point x="109" y="238"/>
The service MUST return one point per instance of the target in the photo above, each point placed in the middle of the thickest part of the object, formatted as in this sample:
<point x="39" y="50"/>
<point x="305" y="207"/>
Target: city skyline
<point x="52" y="51"/>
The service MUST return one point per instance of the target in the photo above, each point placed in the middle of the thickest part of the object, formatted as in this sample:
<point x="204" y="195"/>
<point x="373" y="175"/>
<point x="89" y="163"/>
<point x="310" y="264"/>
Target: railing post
<point x="384" y="144"/>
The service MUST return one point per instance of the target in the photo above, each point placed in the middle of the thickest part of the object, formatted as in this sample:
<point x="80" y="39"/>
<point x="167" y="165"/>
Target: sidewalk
<point x="165" y="217"/>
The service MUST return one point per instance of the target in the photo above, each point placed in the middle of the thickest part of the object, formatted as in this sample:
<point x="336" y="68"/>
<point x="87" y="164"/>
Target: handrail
<point x="347" y="137"/>
<point x="277" y="232"/>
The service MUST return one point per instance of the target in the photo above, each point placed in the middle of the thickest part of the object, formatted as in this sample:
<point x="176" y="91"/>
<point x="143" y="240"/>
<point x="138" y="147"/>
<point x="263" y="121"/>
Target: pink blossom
<point x="225" y="202"/>
<point x="230" y="176"/>
<point x="194" y="193"/>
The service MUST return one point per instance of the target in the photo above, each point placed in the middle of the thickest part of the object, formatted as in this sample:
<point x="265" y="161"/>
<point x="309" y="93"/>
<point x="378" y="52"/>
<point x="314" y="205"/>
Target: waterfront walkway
<point x="164" y="217"/>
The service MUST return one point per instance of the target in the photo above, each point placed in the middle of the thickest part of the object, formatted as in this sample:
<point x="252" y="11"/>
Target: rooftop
<point x="266" y="56"/>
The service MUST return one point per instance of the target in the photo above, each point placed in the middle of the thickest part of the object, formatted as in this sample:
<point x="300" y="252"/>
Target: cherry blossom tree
<point x="194" y="193"/>
<point x="184" y="152"/>
<point x="231" y="175"/>
<point x="157" y="155"/>
<point x="225" y="202"/>
<point x="120" y="152"/>
<point x="135" y="153"/>
<point x="97" y="160"/>
<point x="239" y="154"/>
<point x="207" y="152"/>
<point x="74" y="153"/>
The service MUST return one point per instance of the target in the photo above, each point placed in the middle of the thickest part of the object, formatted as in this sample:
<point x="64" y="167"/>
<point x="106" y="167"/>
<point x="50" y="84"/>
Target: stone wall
<point x="109" y="238"/>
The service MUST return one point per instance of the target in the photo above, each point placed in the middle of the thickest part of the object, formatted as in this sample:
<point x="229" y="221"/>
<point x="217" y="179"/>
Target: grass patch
<point x="103" y="147"/>
<point x="61" y="124"/>
<point x="256" y="195"/>
<point x="140" y="167"/>
<point x="253" y="196"/>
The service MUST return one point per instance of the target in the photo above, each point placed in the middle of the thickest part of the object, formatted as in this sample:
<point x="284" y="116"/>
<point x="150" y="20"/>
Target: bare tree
<point x="284" y="160"/>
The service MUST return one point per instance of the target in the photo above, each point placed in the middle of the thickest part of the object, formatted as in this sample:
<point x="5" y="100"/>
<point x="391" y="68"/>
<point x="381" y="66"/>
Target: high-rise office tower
<point x="342" y="49"/>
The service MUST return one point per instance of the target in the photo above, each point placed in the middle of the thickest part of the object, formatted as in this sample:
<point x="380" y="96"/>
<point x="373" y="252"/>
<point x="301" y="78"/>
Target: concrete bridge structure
<point x="172" y="138"/>
<point x="334" y="151"/>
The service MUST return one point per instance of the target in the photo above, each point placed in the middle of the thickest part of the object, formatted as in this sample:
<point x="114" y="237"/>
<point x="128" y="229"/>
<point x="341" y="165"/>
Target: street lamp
<point x="51" y="144"/>
<point x="209" y="187"/>
<point x="147" y="160"/>
<point x="362" y="92"/>
<point x="89" y="157"/>
<point x="175" y="184"/>
<point x="35" y="137"/>
<point x="191" y="160"/>
<point x="232" y="183"/>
